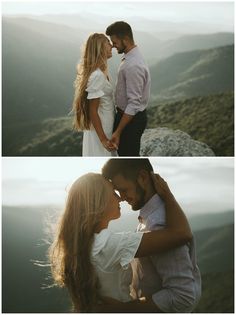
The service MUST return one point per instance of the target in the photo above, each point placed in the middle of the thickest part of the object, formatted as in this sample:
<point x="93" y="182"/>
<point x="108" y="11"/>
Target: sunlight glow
<point x="175" y="11"/>
<point x="201" y="184"/>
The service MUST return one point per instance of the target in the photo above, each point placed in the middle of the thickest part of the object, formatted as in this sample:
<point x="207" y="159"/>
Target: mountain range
<point x="39" y="64"/>
<point x="195" y="73"/>
<point x="39" y="60"/>
<point x="159" y="28"/>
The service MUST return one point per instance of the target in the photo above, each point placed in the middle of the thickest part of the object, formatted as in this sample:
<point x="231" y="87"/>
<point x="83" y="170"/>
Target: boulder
<point x="167" y="142"/>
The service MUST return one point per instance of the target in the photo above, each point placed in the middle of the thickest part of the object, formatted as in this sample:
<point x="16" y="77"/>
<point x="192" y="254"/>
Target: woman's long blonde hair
<point x="94" y="57"/>
<point x="71" y="250"/>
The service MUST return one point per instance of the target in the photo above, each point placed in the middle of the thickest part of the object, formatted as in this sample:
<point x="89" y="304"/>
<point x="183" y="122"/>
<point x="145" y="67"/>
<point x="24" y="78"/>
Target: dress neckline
<point x="107" y="77"/>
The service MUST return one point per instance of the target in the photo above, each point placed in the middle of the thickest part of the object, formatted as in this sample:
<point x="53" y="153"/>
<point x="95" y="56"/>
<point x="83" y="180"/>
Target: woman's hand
<point x="115" y="139"/>
<point x="108" y="145"/>
<point x="160" y="186"/>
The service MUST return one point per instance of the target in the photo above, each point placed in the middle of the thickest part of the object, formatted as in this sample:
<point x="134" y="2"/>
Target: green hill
<point x="215" y="244"/>
<point x="209" y="119"/>
<point x="217" y="293"/>
<point x="50" y="137"/>
<point x="195" y="73"/>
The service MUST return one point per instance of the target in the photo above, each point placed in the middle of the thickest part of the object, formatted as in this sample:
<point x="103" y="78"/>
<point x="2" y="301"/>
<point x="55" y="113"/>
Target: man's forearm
<point x="124" y="122"/>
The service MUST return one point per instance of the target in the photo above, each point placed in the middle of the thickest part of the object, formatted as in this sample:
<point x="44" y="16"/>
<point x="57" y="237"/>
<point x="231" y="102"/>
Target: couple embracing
<point x="111" y="128"/>
<point x="151" y="270"/>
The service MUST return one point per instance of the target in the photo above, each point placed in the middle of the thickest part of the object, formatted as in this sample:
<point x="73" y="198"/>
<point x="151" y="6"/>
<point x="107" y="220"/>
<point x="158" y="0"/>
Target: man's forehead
<point x="119" y="181"/>
<point x="114" y="38"/>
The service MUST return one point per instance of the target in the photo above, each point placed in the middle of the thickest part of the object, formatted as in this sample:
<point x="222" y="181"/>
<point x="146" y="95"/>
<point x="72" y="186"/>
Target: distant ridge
<point x="195" y="73"/>
<point x="213" y="220"/>
<point x="191" y="42"/>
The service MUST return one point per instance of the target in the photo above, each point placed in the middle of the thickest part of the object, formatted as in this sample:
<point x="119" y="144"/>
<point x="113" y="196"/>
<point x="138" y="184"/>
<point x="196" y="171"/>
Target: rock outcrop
<point x="167" y="142"/>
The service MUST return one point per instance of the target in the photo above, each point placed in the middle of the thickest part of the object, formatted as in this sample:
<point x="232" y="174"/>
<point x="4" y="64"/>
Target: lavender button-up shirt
<point x="172" y="278"/>
<point x="133" y="83"/>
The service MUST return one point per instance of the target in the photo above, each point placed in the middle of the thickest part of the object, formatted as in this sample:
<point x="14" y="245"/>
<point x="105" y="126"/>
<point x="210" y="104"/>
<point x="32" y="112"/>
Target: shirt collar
<point x="131" y="53"/>
<point x="150" y="206"/>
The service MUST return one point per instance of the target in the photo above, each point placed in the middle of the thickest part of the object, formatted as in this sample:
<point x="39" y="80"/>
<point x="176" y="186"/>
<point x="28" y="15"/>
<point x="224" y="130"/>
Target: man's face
<point x="130" y="191"/>
<point x="118" y="43"/>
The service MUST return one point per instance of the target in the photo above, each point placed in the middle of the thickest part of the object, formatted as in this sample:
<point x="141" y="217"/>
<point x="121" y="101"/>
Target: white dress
<point x="112" y="256"/>
<point x="99" y="87"/>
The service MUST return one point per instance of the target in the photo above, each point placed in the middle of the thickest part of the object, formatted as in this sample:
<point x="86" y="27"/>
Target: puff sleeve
<point x="117" y="250"/>
<point x="129" y="244"/>
<point x="96" y="83"/>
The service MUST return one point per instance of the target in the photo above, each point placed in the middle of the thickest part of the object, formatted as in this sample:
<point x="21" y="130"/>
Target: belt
<point x="119" y="110"/>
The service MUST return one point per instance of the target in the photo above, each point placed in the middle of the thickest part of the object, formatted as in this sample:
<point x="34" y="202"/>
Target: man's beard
<point x="141" y="193"/>
<point x="123" y="47"/>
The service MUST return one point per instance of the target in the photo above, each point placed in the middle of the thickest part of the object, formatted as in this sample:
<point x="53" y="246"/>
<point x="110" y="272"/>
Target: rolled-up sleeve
<point x="179" y="291"/>
<point x="135" y="80"/>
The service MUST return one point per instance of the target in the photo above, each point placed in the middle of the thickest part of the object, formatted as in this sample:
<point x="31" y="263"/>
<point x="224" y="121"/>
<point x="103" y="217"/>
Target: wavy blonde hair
<point x="70" y="252"/>
<point x="94" y="57"/>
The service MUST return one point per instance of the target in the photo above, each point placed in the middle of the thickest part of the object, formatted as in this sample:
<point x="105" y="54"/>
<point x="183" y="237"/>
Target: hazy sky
<point x="199" y="184"/>
<point x="206" y="11"/>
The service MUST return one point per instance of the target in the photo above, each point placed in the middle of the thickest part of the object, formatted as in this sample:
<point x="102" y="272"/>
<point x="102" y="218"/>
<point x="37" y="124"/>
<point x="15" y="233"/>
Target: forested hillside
<point x="209" y="119"/>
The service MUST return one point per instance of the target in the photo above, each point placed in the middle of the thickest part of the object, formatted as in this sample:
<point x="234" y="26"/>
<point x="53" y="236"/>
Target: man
<point x="132" y="91"/>
<point x="172" y="279"/>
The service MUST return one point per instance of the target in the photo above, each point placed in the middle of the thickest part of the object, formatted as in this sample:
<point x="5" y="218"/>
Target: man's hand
<point x="108" y="145"/>
<point x="160" y="185"/>
<point x="108" y="305"/>
<point x="115" y="139"/>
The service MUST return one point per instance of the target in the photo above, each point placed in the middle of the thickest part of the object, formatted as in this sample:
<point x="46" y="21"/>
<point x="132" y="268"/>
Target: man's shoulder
<point x="157" y="219"/>
<point x="135" y="62"/>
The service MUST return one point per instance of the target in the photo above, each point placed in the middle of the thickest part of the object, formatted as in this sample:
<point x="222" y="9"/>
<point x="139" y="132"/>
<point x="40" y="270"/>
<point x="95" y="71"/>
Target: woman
<point x="93" y="102"/>
<point x="83" y="239"/>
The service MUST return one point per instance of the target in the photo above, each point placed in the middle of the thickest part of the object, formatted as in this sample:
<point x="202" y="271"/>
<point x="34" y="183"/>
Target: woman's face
<point x="112" y="210"/>
<point x="108" y="48"/>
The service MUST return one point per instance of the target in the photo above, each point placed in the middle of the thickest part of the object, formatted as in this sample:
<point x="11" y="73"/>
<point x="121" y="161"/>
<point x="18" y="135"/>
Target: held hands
<point x="109" y="145"/>
<point x="115" y="138"/>
<point x="113" y="143"/>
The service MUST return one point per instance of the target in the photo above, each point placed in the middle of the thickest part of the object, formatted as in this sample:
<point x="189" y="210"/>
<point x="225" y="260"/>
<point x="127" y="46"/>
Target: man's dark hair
<point x="128" y="168"/>
<point x="120" y="29"/>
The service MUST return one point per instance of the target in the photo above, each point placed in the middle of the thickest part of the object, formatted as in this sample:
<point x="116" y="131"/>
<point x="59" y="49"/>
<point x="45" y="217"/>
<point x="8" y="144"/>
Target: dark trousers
<point x="131" y="134"/>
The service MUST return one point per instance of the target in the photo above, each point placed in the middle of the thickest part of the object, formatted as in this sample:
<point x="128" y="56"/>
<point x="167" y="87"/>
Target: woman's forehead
<point x="109" y="183"/>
